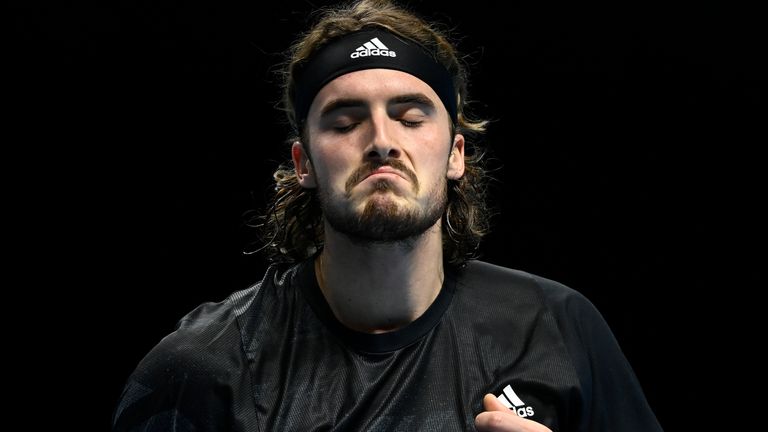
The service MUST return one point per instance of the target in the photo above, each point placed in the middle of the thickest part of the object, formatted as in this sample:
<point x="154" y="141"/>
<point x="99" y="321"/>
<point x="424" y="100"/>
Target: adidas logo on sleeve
<point x="511" y="400"/>
<point x="372" y="48"/>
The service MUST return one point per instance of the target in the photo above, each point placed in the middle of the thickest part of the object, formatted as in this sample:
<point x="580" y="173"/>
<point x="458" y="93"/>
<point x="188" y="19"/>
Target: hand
<point x="498" y="418"/>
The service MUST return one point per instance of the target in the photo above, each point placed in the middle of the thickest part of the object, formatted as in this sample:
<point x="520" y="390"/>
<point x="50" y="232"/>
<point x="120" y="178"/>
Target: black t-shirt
<point x="274" y="358"/>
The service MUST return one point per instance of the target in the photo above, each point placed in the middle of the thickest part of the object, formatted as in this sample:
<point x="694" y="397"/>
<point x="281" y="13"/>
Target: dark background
<point x="623" y="134"/>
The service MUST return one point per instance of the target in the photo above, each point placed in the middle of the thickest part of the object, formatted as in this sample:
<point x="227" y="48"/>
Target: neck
<point x="376" y="288"/>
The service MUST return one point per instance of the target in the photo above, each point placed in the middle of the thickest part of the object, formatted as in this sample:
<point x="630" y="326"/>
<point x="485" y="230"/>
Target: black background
<point x="624" y="135"/>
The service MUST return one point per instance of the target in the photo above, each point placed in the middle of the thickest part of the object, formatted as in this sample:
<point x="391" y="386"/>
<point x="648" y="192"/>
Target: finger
<point x="499" y="421"/>
<point x="492" y="403"/>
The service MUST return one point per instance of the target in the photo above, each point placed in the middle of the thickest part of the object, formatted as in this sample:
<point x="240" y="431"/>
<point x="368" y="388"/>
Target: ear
<point x="456" y="158"/>
<point x="303" y="166"/>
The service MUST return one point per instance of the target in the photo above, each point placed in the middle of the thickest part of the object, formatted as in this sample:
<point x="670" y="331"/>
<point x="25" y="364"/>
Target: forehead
<point x="373" y="85"/>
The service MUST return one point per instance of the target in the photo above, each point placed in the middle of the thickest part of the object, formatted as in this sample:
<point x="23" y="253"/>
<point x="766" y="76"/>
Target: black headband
<point x="369" y="49"/>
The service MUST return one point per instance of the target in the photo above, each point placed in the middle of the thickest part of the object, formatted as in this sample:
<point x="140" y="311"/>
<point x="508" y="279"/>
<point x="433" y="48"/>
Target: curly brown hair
<point x="292" y="227"/>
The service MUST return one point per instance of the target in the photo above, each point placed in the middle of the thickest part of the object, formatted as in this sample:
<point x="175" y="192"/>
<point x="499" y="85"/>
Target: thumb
<point x="492" y="403"/>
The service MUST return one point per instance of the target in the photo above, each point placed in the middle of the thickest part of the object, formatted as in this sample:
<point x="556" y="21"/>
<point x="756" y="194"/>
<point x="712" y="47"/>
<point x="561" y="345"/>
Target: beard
<point x="382" y="219"/>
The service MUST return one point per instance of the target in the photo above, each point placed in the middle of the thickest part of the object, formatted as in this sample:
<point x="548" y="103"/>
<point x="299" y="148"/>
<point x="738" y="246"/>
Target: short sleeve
<point x="613" y="398"/>
<point x="195" y="379"/>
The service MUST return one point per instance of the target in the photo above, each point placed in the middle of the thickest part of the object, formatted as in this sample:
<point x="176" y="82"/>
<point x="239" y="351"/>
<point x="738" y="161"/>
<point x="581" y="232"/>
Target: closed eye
<point x="410" y="124"/>
<point x="345" y="128"/>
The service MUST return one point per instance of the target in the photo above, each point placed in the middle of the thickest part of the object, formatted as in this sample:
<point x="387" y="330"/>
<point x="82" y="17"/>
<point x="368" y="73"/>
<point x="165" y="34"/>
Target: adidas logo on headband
<point x="372" y="48"/>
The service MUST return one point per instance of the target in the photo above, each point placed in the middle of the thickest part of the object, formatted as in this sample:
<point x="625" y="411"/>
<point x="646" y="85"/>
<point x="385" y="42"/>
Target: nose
<point x="383" y="140"/>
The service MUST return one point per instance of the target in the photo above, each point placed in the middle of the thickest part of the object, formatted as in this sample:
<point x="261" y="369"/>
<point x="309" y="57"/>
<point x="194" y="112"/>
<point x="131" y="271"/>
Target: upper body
<point x="382" y="194"/>
<point x="274" y="357"/>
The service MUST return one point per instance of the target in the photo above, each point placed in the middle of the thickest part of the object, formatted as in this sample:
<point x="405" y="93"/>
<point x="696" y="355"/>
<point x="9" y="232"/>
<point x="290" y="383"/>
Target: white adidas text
<point x="372" y="48"/>
<point x="373" y="52"/>
<point x="511" y="400"/>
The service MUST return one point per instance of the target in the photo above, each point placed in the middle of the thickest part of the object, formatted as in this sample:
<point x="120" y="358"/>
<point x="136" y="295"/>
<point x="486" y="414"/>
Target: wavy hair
<point x="292" y="226"/>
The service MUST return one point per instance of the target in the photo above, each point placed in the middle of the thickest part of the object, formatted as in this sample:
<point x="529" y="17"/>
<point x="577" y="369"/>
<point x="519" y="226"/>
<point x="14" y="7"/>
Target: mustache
<point x="369" y="167"/>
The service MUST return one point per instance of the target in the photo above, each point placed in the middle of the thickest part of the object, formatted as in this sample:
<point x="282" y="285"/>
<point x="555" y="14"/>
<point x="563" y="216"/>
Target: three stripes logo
<point x="373" y="47"/>
<point x="510" y="400"/>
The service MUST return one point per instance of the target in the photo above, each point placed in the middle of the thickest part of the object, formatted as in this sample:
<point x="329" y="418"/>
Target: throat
<point x="366" y="296"/>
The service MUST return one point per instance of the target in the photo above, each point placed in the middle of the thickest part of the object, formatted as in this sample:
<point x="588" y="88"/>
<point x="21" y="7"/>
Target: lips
<point x="393" y="166"/>
<point x="386" y="170"/>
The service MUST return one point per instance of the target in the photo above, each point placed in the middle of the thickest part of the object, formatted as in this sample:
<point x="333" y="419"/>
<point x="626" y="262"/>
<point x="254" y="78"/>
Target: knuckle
<point x="496" y="419"/>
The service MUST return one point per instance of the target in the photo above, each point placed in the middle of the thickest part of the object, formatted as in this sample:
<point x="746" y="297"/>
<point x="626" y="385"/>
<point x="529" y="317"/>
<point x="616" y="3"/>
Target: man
<point x="374" y="317"/>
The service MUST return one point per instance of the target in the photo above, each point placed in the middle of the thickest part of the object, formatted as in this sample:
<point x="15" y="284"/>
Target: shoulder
<point x="165" y="387"/>
<point x="206" y="341"/>
<point x="491" y="278"/>
<point x="495" y="287"/>
<point x="192" y="354"/>
<point x="207" y="354"/>
<point x="202" y="356"/>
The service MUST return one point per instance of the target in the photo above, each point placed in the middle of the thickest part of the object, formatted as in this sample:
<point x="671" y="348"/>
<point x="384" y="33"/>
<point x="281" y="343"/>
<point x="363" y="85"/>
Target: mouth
<point x="386" y="171"/>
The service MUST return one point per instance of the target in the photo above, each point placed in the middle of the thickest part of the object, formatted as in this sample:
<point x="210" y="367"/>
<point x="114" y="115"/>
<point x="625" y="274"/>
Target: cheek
<point x="432" y="160"/>
<point x="332" y="166"/>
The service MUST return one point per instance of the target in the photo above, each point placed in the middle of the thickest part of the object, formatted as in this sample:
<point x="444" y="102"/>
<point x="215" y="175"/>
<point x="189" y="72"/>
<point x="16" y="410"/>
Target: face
<point x="380" y="154"/>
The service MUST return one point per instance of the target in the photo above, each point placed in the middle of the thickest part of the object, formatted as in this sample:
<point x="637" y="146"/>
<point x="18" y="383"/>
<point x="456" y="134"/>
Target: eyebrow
<point x="410" y="98"/>
<point x="413" y="98"/>
<point x="338" y="104"/>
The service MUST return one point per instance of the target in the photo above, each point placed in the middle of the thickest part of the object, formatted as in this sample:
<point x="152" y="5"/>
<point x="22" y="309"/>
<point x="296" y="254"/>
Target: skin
<point x="375" y="116"/>
<point x="401" y="280"/>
